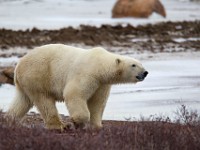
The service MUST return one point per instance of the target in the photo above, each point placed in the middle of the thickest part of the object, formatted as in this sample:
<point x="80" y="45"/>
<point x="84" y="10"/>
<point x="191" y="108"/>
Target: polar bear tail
<point x="20" y="105"/>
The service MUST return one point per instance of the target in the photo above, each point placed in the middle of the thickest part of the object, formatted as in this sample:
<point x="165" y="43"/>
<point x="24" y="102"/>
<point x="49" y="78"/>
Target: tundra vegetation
<point x="155" y="132"/>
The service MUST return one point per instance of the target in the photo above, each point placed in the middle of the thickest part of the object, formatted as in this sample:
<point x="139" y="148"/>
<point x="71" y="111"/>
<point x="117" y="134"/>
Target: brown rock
<point x="7" y="75"/>
<point x="9" y="72"/>
<point x="4" y="79"/>
<point x="137" y="8"/>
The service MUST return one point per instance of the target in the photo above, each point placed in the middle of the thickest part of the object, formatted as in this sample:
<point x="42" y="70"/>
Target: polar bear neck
<point x="108" y="71"/>
<point x="108" y="76"/>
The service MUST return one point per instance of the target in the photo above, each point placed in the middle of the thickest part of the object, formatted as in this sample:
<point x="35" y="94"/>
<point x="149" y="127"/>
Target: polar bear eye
<point x="133" y="65"/>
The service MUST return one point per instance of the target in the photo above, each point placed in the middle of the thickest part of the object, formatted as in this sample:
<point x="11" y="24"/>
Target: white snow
<point x="51" y="14"/>
<point x="180" y="40"/>
<point x="173" y="79"/>
<point x="7" y="62"/>
<point x="6" y="95"/>
<point x="140" y="40"/>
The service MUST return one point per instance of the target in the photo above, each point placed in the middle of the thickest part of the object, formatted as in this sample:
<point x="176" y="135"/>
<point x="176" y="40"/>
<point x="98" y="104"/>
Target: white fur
<point x="82" y="78"/>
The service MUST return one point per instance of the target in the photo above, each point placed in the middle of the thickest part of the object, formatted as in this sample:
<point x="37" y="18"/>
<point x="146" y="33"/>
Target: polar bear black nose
<point x="145" y="74"/>
<point x="142" y="76"/>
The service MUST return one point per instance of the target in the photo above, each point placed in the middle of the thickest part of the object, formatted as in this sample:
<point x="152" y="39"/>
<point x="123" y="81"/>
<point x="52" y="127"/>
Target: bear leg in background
<point x="46" y="106"/>
<point x="20" y="105"/>
<point x="96" y="105"/>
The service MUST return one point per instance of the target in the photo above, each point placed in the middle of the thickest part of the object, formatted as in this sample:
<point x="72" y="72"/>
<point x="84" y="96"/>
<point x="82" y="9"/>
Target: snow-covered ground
<point x="173" y="79"/>
<point x="48" y="14"/>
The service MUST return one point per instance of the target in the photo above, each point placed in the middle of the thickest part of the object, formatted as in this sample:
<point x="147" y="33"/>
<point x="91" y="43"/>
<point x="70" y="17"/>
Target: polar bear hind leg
<point x="20" y="105"/>
<point x="96" y="105"/>
<point x="47" y="108"/>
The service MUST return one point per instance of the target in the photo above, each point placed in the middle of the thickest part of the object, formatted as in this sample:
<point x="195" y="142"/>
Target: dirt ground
<point x="160" y="37"/>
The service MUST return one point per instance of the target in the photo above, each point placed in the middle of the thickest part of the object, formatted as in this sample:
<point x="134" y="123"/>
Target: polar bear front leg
<point x="96" y="105"/>
<point x="78" y="111"/>
<point x="76" y="95"/>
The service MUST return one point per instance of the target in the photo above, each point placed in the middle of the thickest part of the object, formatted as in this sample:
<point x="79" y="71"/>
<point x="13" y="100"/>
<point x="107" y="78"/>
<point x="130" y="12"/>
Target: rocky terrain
<point x="164" y="36"/>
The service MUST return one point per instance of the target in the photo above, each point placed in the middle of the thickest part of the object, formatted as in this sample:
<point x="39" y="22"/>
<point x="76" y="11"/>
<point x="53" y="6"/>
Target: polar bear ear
<point x="118" y="61"/>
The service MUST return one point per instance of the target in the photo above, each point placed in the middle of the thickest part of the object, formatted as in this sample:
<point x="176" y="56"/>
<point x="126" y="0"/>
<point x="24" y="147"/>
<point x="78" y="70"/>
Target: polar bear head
<point x="129" y="70"/>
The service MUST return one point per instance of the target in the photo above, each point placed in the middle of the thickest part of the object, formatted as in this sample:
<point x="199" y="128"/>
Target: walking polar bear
<point x="81" y="78"/>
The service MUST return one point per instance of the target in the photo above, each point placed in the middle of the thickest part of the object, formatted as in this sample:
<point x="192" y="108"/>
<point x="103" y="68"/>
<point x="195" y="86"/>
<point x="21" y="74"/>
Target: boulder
<point x="7" y="75"/>
<point x="137" y="8"/>
<point x="9" y="72"/>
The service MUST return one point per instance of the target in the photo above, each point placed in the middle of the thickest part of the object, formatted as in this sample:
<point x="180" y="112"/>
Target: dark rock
<point x="7" y="75"/>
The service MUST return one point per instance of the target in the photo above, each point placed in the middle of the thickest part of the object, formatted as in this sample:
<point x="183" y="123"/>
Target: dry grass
<point x="159" y="133"/>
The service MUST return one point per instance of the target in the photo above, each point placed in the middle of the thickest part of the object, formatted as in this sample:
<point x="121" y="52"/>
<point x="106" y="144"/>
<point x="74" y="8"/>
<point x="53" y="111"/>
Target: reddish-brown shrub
<point x="115" y="135"/>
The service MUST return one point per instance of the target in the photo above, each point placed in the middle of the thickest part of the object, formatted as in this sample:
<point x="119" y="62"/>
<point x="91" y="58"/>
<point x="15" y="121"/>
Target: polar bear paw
<point x="57" y="126"/>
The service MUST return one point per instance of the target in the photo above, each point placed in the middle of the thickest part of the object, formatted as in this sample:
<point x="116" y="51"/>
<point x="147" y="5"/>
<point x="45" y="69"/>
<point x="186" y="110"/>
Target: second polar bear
<point x="81" y="78"/>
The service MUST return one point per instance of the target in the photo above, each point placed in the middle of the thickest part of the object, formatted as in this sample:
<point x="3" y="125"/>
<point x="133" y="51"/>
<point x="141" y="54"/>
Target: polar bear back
<point x="52" y="66"/>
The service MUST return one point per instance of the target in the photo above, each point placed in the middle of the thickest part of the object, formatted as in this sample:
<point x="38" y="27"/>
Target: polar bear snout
<point x="142" y="76"/>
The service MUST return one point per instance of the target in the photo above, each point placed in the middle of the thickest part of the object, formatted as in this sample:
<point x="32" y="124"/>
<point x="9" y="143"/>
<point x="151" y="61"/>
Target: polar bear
<point x="81" y="78"/>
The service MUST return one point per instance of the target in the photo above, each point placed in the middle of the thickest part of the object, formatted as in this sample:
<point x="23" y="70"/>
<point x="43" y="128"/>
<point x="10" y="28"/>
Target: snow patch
<point x="181" y="40"/>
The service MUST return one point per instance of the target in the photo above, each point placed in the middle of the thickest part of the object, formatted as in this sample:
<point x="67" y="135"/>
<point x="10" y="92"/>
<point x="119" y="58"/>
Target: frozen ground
<point x="48" y="14"/>
<point x="174" y="79"/>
